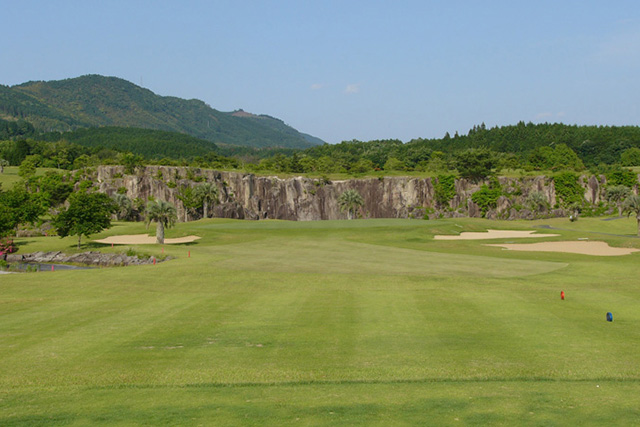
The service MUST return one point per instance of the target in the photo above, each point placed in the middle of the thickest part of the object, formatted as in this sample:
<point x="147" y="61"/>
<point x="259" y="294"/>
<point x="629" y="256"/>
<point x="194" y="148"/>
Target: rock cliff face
<point x="246" y="196"/>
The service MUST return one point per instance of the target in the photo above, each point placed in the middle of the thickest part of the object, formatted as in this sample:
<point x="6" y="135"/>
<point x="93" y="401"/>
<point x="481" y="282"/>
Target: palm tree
<point x="209" y="195"/>
<point x="124" y="206"/>
<point x="537" y="201"/>
<point x="632" y="206"/>
<point x="617" y="194"/>
<point x="164" y="214"/>
<point x="350" y="201"/>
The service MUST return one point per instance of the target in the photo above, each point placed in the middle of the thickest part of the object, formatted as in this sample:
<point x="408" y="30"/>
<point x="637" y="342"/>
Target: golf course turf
<point x="369" y="322"/>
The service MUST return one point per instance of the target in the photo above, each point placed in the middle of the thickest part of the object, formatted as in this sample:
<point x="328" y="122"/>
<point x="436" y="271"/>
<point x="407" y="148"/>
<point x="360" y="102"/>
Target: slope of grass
<point x="346" y="322"/>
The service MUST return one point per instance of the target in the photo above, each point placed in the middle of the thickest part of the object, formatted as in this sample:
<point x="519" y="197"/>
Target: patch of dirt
<point x="574" y="247"/>
<point x="493" y="234"/>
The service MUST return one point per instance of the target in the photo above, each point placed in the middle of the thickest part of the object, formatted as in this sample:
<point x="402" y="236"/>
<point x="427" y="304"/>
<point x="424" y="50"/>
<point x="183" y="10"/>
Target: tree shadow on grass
<point x="93" y="245"/>
<point x="185" y="244"/>
<point x="88" y="246"/>
<point x="19" y="244"/>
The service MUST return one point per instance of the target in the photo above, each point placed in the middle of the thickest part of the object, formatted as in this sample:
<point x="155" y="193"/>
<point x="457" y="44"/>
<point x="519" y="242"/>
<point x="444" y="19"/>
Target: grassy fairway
<point x="342" y="322"/>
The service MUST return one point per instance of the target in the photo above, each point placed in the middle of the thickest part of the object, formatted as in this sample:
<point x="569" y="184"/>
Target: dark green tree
<point x="88" y="213"/>
<point x="54" y="187"/>
<point x="18" y="206"/>
<point x="131" y="162"/>
<point x="565" y="158"/>
<point x="475" y="164"/>
<point x="393" y="164"/>
<point x="362" y="166"/>
<point x="27" y="167"/>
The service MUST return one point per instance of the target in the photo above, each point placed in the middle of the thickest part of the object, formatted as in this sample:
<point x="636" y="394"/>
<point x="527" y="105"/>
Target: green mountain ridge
<point x="95" y="101"/>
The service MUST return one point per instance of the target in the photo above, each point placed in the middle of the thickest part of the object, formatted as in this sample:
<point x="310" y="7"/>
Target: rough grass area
<point x="338" y="322"/>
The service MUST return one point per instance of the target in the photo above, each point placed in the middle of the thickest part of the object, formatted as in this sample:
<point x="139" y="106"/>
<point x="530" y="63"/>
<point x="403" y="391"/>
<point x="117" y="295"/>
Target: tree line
<point x="73" y="206"/>
<point x="532" y="147"/>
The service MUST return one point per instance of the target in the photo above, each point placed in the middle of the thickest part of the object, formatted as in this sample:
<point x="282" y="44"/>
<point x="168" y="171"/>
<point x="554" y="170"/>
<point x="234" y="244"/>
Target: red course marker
<point x="562" y="295"/>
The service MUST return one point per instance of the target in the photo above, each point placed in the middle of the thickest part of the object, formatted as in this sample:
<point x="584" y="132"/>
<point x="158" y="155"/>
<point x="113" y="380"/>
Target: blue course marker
<point x="609" y="317"/>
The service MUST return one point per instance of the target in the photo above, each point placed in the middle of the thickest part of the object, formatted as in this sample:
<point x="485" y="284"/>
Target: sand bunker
<point x="143" y="239"/>
<point x="580" y="247"/>
<point x="493" y="234"/>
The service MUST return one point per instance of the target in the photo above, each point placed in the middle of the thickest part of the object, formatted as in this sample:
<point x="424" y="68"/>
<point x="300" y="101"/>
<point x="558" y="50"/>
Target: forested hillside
<point x="151" y="144"/>
<point x="93" y="100"/>
<point x="16" y="129"/>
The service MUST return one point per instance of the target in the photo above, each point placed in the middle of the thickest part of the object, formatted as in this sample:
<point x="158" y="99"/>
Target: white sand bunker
<point x="580" y="247"/>
<point x="143" y="239"/>
<point x="493" y="234"/>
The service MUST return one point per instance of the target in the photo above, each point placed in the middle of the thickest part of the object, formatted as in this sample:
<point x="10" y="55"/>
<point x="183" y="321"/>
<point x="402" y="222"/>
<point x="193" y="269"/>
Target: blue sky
<point x="345" y="69"/>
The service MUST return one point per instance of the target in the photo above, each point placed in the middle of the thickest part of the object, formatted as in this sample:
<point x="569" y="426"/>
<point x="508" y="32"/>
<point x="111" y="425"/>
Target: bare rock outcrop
<point x="247" y="196"/>
<point x="93" y="258"/>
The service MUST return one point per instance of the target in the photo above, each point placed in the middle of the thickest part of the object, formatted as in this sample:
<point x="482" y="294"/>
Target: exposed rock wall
<point x="246" y="196"/>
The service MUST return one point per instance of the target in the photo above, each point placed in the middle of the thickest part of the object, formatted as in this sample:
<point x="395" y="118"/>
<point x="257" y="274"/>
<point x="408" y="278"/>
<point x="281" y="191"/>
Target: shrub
<point x="85" y="185"/>
<point x="140" y="255"/>
<point x="596" y="210"/>
<point x="568" y="189"/>
<point x="537" y="201"/>
<point x="625" y="177"/>
<point x="487" y="197"/>
<point x="6" y="247"/>
<point x="445" y="189"/>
